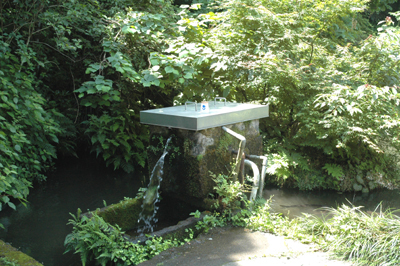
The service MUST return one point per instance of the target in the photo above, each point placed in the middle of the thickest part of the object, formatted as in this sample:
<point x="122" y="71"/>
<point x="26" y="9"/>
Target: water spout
<point x="151" y="196"/>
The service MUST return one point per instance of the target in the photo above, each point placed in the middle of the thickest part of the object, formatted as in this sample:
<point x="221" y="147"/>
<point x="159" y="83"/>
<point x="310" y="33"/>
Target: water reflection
<point x="293" y="203"/>
<point x="40" y="228"/>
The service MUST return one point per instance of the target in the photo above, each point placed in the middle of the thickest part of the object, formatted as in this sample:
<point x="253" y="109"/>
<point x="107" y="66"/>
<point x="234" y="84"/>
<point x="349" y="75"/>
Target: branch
<point x="55" y="49"/>
<point x="73" y="91"/>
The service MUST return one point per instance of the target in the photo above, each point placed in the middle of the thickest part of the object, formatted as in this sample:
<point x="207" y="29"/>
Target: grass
<point x="365" y="238"/>
<point x="351" y="234"/>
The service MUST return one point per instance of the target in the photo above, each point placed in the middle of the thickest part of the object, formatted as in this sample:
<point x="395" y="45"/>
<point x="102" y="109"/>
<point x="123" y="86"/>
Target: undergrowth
<point x="365" y="238"/>
<point x="96" y="240"/>
<point x="347" y="232"/>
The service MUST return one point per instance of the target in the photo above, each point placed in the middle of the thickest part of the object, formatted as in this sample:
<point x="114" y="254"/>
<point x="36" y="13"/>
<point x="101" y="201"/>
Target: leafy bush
<point x="96" y="240"/>
<point x="28" y="131"/>
<point x="230" y="194"/>
<point x="332" y="88"/>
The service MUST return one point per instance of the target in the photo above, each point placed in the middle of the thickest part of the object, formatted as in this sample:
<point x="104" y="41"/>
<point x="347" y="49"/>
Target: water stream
<point x="151" y="196"/>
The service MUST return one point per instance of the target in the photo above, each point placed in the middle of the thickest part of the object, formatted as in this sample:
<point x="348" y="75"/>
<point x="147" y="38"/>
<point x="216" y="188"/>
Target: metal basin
<point x="192" y="117"/>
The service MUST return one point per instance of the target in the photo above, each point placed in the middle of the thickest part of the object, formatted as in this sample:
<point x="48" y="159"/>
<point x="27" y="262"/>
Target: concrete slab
<point x="235" y="246"/>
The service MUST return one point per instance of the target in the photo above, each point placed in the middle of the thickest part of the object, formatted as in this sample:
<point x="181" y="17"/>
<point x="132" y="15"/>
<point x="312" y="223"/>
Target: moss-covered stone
<point x="194" y="154"/>
<point x="14" y="255"/>
<point x="125" y="214"/>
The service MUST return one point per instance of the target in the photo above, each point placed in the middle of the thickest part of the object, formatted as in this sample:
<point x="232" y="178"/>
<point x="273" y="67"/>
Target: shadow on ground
<point x="221" y="246"/>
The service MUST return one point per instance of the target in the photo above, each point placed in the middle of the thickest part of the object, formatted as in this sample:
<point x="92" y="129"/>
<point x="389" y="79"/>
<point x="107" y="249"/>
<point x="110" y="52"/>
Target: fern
<point x="334" y="170"/>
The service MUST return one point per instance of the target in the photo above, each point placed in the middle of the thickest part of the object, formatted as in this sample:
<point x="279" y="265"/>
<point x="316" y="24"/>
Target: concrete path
<point x="235" y="246"/>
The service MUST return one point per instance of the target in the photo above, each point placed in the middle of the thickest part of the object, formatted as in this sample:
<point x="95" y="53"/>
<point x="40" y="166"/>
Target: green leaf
<point x="156" y="82"/>
<point x="5" y="199"/>
<point x="102" y="138"/>
<point x="115" y="127"/>
<point x="11" y="205"/>
<point x="169" y="69"/>
<point x="226" y="92"/>
<point x="91" y="91"/>
<point x="188" y="75"/>
<point x="12" y="129"/>
<point x="154" y="62"/>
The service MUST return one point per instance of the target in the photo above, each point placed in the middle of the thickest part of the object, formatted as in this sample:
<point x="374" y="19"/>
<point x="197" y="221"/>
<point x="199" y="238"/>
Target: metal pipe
<point x="263" y="171"/>
<point x="242" y="145"/>
<point x="219" y="98"/>
<point x="256" y="178"/>
<point x="188" y="102"/>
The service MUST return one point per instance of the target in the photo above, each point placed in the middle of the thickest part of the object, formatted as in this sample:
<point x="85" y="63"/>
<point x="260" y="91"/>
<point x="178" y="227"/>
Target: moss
<point x="17" y="257"/>
<point x="124" y="214"/>
<point x="187" y="173"/>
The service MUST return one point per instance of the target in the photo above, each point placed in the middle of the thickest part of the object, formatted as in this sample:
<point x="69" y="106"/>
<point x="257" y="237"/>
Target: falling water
<point x="151" y="196"/>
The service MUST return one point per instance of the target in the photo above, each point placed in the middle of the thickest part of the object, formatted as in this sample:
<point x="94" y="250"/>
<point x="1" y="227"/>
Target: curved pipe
<point x="256" y="178"/>
<point x="263" y="171"/>
<point x="259" y="180"/>
<point x="242" y="145"/>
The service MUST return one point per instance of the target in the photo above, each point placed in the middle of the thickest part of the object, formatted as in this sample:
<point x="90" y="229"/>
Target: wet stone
<point x="194" y="155"/>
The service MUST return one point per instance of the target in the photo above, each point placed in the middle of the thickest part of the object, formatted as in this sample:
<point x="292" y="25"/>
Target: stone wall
<point x="194" y="154"/>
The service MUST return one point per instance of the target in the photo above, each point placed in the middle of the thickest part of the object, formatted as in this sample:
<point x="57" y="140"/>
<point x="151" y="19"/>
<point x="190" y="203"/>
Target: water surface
<point x="293" y="203"/>
<point x="40" y="228"/>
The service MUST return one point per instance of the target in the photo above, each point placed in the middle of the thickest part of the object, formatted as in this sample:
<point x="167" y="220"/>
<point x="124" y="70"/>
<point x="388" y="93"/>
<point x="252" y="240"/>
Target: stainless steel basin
<point x="192" y="117"/>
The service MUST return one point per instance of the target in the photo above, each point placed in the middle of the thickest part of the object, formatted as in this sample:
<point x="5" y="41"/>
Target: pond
<point x="40" y="229"/>
<point x="293" y="203"/>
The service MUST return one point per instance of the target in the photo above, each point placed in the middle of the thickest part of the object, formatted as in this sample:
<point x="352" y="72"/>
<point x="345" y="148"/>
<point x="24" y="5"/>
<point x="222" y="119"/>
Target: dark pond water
<point x="293" y="203"/>
<point x="40" y="229"/>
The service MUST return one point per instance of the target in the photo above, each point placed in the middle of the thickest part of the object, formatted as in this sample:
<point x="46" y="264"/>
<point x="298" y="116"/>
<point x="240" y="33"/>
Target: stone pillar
<point x="195" y="155"/>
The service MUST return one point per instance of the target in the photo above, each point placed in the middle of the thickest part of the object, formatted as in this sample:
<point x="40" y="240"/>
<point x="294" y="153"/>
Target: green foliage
<point x="230" y="194"/>
<point x="351" y="234"/>
<point x="331" y="82"/>
<point x="334" y="170"/>
<point x="95" y="239"/>
<point x="28" y="131"/>
<point x="121" y="84"/>
<point x="112" y="137"/>
<point x="158" y="147"/>
<point x="54" y="43"/>
<point x="365" y="238"/>
<point x="209" y="221"/>
<point x="331" y="86"/>
<point x="7" y="262"/>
